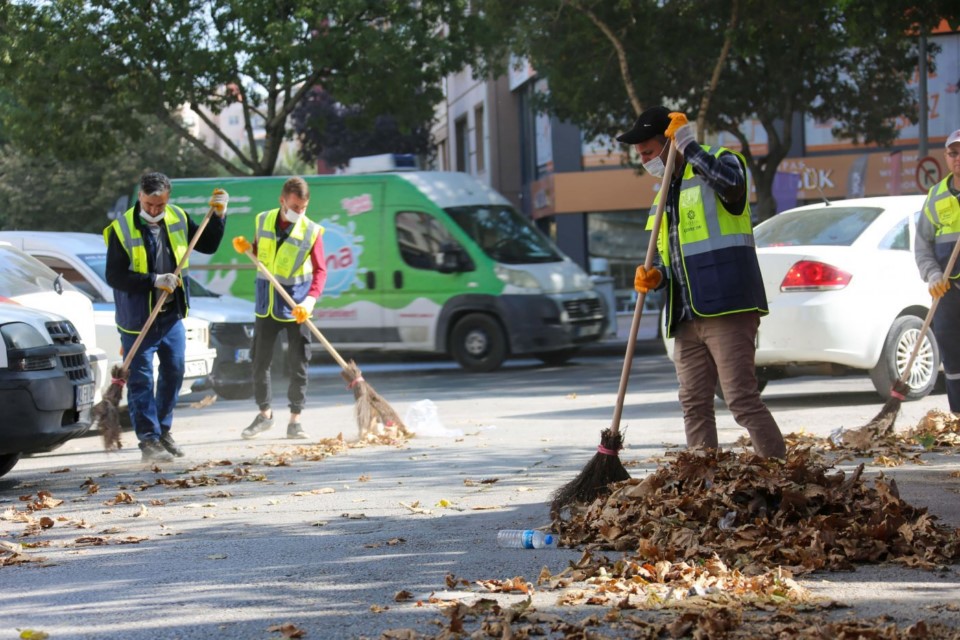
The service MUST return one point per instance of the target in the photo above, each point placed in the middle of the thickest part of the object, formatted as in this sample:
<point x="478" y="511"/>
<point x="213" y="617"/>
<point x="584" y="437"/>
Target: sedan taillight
<point x="809" y="275"/>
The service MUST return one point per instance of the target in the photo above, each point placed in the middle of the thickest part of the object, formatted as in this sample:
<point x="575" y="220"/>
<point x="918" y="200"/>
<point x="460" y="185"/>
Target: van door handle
<point x="398" y="279"/>
<point x="371" y="280"/>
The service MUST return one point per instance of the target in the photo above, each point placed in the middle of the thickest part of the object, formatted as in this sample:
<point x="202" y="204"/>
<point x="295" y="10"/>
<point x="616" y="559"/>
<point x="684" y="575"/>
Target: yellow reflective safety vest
<point x="289" y="262"/>
<point x="942" y="208"/>
<point x="717" y="248"/>
<point x="133" y="309"/>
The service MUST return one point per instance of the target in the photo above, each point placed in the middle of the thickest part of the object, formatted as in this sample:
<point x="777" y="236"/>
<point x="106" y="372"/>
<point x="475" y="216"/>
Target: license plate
<point x="83" y="395"/>
<point x="242" y="355"/>
<point x="195" y="368"/>
<point x="588" y="330"/>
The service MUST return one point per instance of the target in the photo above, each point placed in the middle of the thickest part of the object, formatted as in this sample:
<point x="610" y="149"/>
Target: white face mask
<point x="151" y="219"/>
<point x="292" y="216"/>
<point x="655" y="167"/>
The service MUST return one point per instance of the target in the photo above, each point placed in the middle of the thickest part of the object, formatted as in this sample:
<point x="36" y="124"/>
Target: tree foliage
<point x="849" y="60"/>
<point x="333" y="132"/>
<point x="77" y="69"/>
<point x="49" y="193"/>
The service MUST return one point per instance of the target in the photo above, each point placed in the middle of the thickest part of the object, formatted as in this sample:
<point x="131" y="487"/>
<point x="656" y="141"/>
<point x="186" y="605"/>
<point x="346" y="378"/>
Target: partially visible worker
<point x="938" y="233"/>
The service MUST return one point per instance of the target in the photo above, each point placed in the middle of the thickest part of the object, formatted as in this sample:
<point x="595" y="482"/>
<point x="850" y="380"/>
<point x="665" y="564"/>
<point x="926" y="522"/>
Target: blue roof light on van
<point x="381" y="163"/>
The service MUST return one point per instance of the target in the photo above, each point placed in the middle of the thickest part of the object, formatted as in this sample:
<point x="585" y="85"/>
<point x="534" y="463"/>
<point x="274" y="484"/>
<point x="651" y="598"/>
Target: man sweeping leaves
<point x="145" y="246"/>
<point x="289" y="245"/>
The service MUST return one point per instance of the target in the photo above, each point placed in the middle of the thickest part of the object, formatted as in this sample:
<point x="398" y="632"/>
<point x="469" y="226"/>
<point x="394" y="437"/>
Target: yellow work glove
<point x="938" y="287"/>
<point x="218" y="202"/>
<point x="304" y="310"/>
<point x="645" y="280"/>
<point x="677" y="120"/>
<point x="680" y="131"/>
<point x="240" y="245"/>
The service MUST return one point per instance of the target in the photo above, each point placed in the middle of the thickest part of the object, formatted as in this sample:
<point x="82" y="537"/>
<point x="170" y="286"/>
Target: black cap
<point x="652" y="122"/>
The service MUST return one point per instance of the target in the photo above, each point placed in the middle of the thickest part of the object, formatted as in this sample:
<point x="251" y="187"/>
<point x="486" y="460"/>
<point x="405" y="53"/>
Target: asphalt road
<point x="240" y="537"/>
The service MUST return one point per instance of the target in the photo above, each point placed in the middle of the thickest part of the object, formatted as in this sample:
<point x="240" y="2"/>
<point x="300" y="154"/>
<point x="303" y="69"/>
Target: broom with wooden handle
<point x="882" y="423"/>
<point x="370" y="405"/>
<point x="605" y="467"/>
<point x="106" y="413"/>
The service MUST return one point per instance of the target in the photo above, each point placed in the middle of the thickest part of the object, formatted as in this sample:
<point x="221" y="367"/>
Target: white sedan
<point x="844" y="293"/>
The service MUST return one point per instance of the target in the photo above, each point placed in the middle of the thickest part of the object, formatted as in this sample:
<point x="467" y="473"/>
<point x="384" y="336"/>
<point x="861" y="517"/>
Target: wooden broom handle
<point x="163" y="296"/>
<point x="289" y="300"/>
<point x="926" y="321"/>
<point x="642" y="296"/>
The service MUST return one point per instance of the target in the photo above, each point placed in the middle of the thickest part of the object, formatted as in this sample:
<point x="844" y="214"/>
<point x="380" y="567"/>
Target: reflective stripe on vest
<point x="133" y="309"/>
<point x="943" y="210"/>
<point x="703" y="224"/>
<point x="290" y="263"/>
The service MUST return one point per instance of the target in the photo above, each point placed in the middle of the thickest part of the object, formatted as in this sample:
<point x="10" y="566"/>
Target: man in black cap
<point x="708" y="262"/>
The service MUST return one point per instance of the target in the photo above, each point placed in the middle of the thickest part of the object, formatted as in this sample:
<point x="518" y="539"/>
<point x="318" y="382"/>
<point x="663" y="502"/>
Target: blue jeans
<point x="152" y="415"/>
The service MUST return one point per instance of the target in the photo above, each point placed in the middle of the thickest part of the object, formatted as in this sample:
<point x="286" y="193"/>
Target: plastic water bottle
<point x="526" y="539"/>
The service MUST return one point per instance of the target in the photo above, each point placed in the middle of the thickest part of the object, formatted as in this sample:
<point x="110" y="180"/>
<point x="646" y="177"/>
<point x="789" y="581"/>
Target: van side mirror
<point x="452" y="259"/>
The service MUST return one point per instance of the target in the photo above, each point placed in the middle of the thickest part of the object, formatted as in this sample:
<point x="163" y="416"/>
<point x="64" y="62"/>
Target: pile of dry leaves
<point x="755" y="514"/>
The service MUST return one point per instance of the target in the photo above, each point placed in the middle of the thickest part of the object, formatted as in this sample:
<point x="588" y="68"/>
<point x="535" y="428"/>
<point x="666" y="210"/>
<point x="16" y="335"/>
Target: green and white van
<point x="417" y="261"/>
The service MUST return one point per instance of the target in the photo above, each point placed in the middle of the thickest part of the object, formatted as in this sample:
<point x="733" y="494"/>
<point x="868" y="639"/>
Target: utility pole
<point x="923" y="96"/>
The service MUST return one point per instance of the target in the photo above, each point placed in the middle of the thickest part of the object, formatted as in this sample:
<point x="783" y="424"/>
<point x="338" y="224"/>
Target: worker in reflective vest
<point x="144" y="247"/>
<point x="707" y="261"/>
<point x="290" y="247"/>
<point x="938" y="232"/>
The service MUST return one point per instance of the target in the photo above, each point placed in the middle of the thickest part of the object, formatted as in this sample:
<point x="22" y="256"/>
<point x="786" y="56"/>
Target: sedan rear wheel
<point x="7" y="462"/>
<point x="901" y="340"/>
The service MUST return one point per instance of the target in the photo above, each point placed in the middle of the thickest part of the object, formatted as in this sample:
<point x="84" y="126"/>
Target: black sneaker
<point x="153" y="451"/>
<point x="166" y="440"/>
<point x="296" y="432"/>
<point x="258" y="426"/>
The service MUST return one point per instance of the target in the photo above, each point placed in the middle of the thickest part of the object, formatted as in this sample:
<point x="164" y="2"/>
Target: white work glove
<point x="685" y="135"/>
<point x="166" y="281"/>
<point x="218" y="202"/>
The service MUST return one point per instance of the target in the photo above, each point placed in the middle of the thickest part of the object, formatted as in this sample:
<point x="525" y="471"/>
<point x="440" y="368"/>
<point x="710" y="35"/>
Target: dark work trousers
<point x="265" y="335"/>
<point x="946" y="329"/>
<point x="708" y="350"/>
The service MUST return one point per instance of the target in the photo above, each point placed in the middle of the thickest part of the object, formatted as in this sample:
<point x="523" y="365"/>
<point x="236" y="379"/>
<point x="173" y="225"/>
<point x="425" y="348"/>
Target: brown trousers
<point x="723" y="348"/>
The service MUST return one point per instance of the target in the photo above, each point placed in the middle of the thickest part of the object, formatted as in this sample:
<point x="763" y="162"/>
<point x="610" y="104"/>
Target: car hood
<point x="557" y="277"/>
<point x="72" y="305"/>
<point x="222" y="309"/>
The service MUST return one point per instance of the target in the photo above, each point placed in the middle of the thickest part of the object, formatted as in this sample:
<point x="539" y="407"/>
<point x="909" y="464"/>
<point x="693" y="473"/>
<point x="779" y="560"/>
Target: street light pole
<point x="923" y="95"/>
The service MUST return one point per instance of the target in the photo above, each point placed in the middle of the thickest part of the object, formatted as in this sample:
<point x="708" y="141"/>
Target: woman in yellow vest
<point x="144" y="246"/>
<point x="707" y="259"/>
<point x="938" y="231"/>
<point x="289" y="244"/>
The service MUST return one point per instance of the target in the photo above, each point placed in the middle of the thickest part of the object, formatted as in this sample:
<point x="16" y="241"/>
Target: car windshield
<point x="504" y="234"/>
<point x="98" y="262"/>
<point x="21" y="274"/>
<point x="833" y="226"/>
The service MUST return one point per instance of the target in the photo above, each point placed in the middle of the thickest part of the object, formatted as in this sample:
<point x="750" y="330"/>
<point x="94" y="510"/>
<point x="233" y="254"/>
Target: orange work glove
<point x="240" y="245"/>
<point x="218" y="202"/>
<point x="645" y="280"/>
<point x="300" y="314"/>
<point x="938" y="287"/>
<point x="677" y="120"/>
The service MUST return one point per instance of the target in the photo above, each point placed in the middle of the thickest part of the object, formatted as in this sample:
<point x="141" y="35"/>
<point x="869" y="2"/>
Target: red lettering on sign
<point x="341" y="259"/>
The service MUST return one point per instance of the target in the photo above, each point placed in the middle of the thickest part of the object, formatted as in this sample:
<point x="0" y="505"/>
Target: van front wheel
<point x="478" y="343"/>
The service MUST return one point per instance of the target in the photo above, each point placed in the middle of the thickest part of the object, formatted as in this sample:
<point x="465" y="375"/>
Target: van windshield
<point x="21" y="274"/>
<point x="98" y="262"/>
<point x="504" y="234"/>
